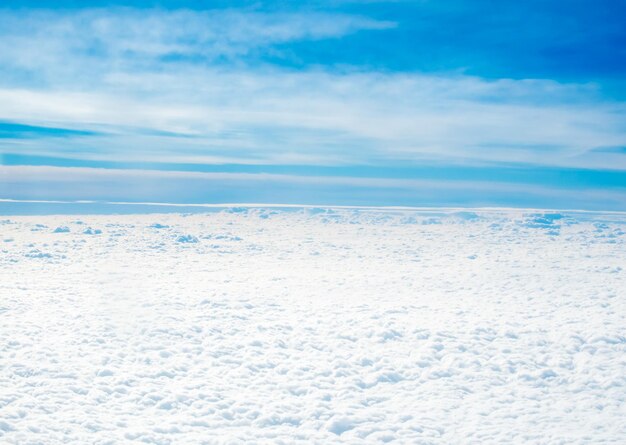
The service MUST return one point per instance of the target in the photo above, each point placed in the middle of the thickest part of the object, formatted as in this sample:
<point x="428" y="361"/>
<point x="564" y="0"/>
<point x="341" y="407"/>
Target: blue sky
<point x="419" y="103"/>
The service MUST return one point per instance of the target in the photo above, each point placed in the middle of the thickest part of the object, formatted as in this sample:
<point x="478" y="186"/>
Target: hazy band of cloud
<point x="59" y="183"/>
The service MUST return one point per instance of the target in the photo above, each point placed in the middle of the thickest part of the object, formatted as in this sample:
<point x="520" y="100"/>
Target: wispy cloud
<point x="183" y="86"/>
<point x="59" y="46"/>
<point x="135" y="74"/>
<point x="323" y="117"/>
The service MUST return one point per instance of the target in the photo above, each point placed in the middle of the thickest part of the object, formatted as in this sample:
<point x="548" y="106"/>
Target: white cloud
<point x="103" y="70"/>
<point x="51" y="44"/>
<point x="277" y="116"/>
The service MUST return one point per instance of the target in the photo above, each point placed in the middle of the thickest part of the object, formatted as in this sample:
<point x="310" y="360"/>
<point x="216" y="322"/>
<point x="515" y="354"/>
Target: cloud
<point x="54" y="46"/>
<point x="57" y="183"/>
<point x="187" y="86"/>
<point x="278" y="116"/>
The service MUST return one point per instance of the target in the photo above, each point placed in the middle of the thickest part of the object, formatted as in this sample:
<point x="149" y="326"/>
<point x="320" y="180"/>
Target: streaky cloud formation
<point x="323" y="117"/>
<point x="55" y="42"/>
<point x="232" y="86"/>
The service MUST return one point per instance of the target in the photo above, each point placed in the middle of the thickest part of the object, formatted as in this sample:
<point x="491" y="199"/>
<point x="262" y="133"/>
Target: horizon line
<point x="309" y="206"/>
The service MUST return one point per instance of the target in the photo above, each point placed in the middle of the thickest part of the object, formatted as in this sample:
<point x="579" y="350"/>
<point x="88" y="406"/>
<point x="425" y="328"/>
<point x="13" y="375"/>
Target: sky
<point x="393" y="103"/>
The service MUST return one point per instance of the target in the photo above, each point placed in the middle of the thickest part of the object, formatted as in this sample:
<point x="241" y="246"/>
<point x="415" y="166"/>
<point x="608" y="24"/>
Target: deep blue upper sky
<point x="379" y="102"/>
